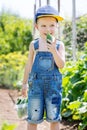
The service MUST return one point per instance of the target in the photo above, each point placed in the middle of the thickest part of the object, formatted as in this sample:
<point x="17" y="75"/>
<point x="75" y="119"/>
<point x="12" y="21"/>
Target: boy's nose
<point x="48" y="29"/>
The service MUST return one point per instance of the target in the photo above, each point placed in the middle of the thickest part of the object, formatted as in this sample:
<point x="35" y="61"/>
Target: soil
<point x="8" y="113"/>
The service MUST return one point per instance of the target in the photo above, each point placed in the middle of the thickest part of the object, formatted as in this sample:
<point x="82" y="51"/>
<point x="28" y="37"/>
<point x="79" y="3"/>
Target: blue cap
<point x="47" y="11"/>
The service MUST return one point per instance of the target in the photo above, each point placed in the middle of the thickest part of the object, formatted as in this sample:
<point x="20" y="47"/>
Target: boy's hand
<point x="24" y="90"/>
<point x="52" y="46"/>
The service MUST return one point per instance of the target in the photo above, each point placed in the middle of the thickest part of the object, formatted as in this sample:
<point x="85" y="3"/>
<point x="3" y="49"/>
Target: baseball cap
<point x="47" y="11"/>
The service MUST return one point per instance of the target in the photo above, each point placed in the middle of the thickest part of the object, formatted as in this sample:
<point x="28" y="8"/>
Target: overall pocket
<point x="45" y="64"/>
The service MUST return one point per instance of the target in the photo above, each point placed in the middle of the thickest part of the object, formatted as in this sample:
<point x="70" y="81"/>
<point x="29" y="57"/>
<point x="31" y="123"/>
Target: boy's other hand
<point x="24" y="90"/>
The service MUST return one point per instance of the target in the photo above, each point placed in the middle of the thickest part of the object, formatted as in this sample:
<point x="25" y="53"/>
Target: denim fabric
<point x="45" y="91"/>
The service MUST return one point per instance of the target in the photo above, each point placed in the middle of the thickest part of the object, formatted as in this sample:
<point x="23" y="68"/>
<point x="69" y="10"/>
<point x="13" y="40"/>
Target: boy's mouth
<point x="47" y="33"/>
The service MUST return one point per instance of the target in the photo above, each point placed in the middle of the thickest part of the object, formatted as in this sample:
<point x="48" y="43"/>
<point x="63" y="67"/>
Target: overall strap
<point x="58" y="44"/>
<point x="36" y="44"/>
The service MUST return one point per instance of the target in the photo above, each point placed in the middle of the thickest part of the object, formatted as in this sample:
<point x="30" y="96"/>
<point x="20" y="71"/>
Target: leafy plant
<point x="81" y="34"/>
<point x="11" y="69"/>
<point x="6" y="126"/>
<point x="74" y="103"/>
<point x="15" y="33"/>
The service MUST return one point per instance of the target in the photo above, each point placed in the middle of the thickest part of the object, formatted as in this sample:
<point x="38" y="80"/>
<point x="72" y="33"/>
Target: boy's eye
<point x="43" y="25"/>
<point x="52" y="25"/>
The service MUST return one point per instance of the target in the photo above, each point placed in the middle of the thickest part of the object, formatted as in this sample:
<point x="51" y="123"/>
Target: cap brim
<point x="59" y="18"/>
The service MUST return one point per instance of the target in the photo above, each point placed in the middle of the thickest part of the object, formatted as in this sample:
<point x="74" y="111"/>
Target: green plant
<point x="74" y="103"/>
<point x="11" y="69"/>
<point x="81" y="35"/>
<point x="7" y="126"/>
<point x="15" y="33"/>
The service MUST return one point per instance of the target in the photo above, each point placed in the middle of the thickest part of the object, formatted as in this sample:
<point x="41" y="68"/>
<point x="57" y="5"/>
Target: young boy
<point x="42" y="71"/>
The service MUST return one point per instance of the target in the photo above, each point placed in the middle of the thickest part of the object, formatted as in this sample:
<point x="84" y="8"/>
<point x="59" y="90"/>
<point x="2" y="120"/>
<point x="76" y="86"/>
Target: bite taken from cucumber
<point x="49" y="38"/>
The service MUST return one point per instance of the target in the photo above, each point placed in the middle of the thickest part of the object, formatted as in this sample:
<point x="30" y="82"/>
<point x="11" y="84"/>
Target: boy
<point x="42" y="71"/>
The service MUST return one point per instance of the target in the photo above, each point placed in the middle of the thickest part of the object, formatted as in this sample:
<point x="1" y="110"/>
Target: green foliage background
<point x="15" y="33"/>
<point x="81" y="32"/>
<point x="15" y="37"/>
<point x="74" y="103"/>
<point x="11" y="69"/>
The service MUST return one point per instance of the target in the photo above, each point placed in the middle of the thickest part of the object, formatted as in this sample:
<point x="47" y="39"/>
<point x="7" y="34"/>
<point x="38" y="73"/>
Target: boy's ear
<point x="36" y="26"/>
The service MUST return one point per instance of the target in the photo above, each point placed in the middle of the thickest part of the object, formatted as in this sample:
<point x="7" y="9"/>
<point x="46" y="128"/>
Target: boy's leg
<point x="54" y="126"/>
<point x="32" y="126"/>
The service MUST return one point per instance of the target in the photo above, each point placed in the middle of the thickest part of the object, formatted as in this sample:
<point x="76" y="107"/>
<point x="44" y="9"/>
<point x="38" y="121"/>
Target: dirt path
<point x="9" y="114"/>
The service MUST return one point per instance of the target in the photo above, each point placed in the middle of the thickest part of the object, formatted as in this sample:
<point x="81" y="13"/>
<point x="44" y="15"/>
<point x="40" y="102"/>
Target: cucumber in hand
<point x="49" y="38"/>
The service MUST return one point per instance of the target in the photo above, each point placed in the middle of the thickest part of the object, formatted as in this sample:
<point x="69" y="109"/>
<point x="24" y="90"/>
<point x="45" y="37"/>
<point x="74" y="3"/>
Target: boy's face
<point x="46" y="25"/>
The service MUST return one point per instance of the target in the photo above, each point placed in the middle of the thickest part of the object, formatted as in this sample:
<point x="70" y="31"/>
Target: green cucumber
<point x="50" y="38"/>
<point x="18" y="101"/>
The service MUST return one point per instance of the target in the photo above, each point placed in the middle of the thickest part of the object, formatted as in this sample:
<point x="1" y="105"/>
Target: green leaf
<point x="74" y="105"/>
<point x="6" y="126"/>
<point x="75" y="117"/>
<point x="66" y="113"/>
<point x="83" y="108"/>
<point x="85" y="96"/>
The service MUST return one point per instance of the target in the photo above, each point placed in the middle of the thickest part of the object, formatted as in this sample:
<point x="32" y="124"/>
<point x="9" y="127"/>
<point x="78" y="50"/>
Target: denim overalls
<point x="45" y="91"/>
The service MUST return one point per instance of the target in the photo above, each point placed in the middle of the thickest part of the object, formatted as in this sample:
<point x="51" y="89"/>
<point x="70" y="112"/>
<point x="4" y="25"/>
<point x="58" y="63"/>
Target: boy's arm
<point x="59" y="55"/>
<point x="27" y="70"/>
<point x="28" y="65"/>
